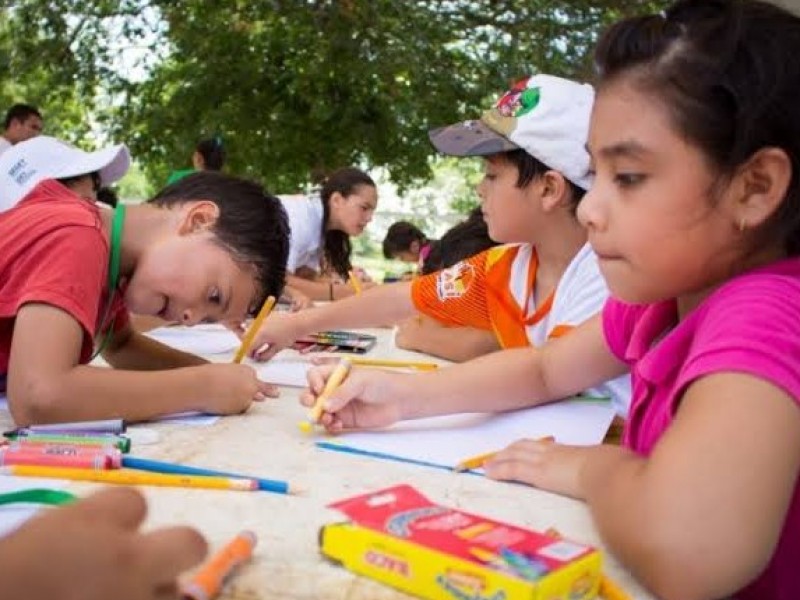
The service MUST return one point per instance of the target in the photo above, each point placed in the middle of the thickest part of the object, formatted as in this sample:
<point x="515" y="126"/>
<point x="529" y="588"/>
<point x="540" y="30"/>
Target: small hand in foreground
<point x="92" y="550"/>
<point x="545" y="465"/>
<point x="366" y="399"/>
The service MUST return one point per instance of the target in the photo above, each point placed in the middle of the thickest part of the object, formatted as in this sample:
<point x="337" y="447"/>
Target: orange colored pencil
<point x="208" y="581"/>
<point x="476" y="462"/>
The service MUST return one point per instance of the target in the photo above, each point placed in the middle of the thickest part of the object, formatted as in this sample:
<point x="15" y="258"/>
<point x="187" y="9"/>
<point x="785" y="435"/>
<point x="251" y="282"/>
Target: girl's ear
<point x="760" y="186"/>
<point x="336" y="199"/>
<point x="554" y="190"/>
<point x="198" y="216"/>
<point x="414" y="247"/>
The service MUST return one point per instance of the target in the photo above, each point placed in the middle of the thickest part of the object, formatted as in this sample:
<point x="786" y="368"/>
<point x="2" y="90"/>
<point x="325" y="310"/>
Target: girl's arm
<point x="511" y="379"/>
<point x="423" y="334"/>
<point x="46" y="383"/>
<point x="130" y="349"/>
<point x="700" y="518"/>
<point x="504" y="380"/>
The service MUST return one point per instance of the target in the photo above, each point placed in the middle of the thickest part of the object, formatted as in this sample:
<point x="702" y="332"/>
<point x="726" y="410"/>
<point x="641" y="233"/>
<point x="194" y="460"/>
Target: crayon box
<point x="399" y="537"/>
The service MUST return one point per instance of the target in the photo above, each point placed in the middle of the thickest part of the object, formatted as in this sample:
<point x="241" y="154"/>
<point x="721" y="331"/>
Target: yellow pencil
<point x="334" y="381"/>
<point x="254" y="327"/>
<point x="475" y="462"/>
<point x="355" y="283"/>
<point x="402" y="364"/>
<point x="131" y="477"/>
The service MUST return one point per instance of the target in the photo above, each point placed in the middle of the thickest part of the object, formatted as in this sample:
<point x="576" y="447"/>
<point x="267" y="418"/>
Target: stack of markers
<point x="97" y="445"/>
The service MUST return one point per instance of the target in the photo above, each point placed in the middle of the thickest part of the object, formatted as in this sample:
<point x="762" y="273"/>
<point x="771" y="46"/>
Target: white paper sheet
<point x="14" y="515"/>
<point x="446" y="441"/>
<point x="200" y="339"/>
<point x="286" y="371"/>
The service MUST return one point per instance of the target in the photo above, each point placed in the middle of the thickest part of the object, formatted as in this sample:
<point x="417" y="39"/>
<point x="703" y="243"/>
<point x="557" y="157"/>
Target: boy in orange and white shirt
<point x="543" y="281"/>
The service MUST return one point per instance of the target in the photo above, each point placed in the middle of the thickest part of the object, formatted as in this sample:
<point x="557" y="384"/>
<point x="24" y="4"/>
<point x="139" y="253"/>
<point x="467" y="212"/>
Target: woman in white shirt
<point x="322" y="225"/>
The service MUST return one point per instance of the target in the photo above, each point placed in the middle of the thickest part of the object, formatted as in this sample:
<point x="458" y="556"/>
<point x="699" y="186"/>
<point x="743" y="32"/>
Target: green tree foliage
<point x="295" y="88"/>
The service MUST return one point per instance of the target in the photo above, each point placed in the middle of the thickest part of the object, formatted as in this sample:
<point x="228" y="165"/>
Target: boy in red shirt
<point x="208" y="248"/>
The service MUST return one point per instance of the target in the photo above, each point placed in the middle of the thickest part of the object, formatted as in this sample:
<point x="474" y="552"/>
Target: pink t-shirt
<point x="749" y="325"/>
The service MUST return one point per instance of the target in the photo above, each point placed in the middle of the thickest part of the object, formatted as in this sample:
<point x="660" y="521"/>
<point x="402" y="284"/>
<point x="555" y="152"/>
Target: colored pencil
<point x="209" y="579"/>
<point x="128" y="477"/>
<point x="156" y="466"/>
<point x="334" y="381"/>
<point x="250" y="334"/>
<point x="401" y="364"/>
<point x="476" y="462"/>
<point x="355" y="282"/>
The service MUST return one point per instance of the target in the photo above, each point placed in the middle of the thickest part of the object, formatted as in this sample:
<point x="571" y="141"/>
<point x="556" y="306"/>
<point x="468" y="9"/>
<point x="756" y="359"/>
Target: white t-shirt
<point x="4" y="144"/>
<point x="305" y="223"/>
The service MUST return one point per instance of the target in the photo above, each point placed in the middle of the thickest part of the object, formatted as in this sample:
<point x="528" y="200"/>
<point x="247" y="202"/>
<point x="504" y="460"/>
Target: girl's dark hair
<point x="337" y="247"/>
<point x="399" y="238"/>
<point x="252" y="223"/>
<point x="212" y="152"/>
<point x="728" y="73"/>
<point x="529" y="168"/>
<point x="461" y="241"/>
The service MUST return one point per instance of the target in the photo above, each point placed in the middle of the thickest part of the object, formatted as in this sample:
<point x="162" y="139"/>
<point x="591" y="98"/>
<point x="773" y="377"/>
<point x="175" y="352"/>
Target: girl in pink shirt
<point x="695" y="218"/>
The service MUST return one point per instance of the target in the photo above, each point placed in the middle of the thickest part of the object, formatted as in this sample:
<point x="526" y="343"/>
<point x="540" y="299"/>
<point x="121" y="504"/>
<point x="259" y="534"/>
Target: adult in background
<point x="23" y="122"/>
<point x="208" y="155"/>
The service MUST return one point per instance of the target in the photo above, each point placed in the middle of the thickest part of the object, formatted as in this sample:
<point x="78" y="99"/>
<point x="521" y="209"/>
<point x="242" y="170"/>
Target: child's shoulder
<point x="776" y="285"/>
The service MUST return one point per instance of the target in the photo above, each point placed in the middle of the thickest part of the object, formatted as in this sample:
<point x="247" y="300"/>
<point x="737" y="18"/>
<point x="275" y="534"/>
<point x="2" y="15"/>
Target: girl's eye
<point x="629" y="179"/>
<point x="214" y="296"/>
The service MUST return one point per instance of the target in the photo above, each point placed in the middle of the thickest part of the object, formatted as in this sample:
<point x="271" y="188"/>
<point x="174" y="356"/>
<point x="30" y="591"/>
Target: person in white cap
<point x="26" y="164"/>
<point x="543" y="282"/>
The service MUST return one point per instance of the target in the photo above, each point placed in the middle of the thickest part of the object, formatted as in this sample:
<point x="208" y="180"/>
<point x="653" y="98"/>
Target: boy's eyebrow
<point x="628" y="148"/>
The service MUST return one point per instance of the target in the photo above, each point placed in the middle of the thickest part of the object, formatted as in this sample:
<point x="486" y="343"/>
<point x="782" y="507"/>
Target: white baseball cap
<point x="546" y="116"/>
<point x="43" y="157"/>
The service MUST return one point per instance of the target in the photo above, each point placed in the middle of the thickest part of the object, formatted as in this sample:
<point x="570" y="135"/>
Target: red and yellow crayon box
<point x="399" y="537"/>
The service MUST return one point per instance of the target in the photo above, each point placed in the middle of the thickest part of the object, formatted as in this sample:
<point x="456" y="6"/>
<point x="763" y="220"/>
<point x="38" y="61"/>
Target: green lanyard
<point x="113" y="274"/>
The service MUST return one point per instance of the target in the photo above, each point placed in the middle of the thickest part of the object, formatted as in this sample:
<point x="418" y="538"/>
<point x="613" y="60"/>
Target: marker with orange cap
<point x="208" y="581"/>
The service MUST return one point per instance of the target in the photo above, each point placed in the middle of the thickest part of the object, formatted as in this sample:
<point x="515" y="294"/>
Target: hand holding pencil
<point x="365" y="399"/>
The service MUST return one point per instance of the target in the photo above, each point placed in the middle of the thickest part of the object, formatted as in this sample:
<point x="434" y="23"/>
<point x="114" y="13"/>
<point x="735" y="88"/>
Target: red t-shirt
<point x="53" y="251"/>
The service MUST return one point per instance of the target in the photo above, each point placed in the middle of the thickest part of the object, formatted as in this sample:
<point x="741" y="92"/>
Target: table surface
<point x="287" y="565"/>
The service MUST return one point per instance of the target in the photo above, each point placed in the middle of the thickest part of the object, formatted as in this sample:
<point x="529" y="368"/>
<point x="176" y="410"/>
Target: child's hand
<point x="279" y="331"/>
<point x="230" y="388"/>
<point x="546" y="465"/>
<point x="92" y="550"/>
<point x="366" y="399"/>
<point x="299" y="300"/>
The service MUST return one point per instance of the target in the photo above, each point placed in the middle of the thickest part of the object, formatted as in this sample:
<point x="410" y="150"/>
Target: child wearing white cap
<point x="208" y="248"/>
<point x="26" y="164"/>
<point x="542" y="282"/>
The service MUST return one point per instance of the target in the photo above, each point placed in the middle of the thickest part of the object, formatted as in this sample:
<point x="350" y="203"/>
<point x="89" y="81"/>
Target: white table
<point x="287" y="565"/>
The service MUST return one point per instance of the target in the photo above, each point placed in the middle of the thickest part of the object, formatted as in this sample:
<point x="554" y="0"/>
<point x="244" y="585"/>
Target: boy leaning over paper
<point x="208" y="248"/>
<point x="545" y="279"/>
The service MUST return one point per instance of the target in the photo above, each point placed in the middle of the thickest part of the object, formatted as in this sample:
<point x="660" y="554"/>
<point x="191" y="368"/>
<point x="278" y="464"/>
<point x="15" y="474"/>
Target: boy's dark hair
<point x="529" y="168"/>
<point x="727" y="72"/>
<point x="252" y="223"/>
<point x="466" y="239"/>
<point x="212" y="152"/>
<point x="337" y="247"/>
<point x="399" y="238"/>
<point x="20" y="112"/>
